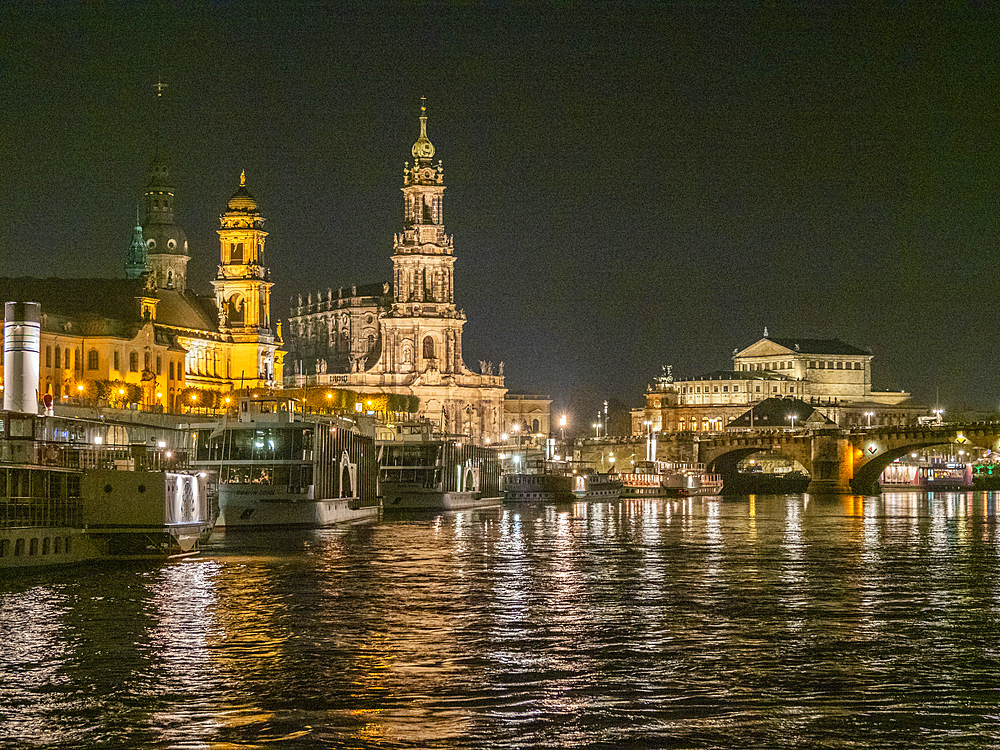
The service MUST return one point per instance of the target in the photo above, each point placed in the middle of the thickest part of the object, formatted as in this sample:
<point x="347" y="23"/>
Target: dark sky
<point x="628" y="186"/>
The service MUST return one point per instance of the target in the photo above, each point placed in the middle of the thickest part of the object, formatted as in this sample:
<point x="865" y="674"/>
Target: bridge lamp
<point x="791" y="418"/>
<point x="869" y="414"/>
<point x="938" y="413"/>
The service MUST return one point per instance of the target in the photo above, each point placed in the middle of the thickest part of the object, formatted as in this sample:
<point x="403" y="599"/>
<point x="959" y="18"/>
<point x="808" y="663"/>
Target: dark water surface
<point x="771" y="622"/>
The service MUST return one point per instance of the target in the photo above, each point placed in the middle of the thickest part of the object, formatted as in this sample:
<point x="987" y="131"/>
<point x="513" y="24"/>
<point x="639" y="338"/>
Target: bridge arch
<point x="865" y="480"/>
<point x="725" y="459"/>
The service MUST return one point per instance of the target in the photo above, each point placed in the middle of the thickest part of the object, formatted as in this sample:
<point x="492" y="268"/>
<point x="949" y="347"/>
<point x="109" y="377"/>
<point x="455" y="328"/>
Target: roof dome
<point x="162" y="238"/>
<point x="242" y="200"/>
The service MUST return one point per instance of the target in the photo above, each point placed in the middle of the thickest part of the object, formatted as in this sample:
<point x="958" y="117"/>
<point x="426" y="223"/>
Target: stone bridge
<point x="842" y="461"/>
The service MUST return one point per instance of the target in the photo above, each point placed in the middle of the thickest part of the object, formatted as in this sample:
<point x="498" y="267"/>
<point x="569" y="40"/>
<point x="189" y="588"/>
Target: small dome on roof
<point x="242" y="200"/>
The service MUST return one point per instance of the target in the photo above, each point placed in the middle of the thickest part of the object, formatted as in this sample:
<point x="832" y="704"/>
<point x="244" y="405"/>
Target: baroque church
<point x="404" y="337"/>
<point x="150" y="329"/>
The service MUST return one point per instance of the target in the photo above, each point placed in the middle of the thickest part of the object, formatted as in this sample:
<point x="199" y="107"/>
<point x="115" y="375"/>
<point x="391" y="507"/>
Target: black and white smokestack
<point x="22" y="335"/>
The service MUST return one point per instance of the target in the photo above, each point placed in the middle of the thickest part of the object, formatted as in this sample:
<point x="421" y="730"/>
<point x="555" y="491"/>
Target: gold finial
<point x="423" y="104"/>
<point x="159" y="86"/>
<point x="243" y="178"/>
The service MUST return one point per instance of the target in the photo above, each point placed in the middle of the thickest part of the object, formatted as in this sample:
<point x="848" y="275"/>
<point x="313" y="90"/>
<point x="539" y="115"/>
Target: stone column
<point x="832" y="463"/>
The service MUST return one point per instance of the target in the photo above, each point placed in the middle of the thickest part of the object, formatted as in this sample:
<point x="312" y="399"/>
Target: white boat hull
<point x="42" y="547"/>
<point x="240" y="508"/>
<point x="402" y="497"/>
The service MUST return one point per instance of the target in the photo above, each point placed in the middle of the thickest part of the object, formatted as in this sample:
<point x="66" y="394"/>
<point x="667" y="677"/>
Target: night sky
<point x="627" y="187"/>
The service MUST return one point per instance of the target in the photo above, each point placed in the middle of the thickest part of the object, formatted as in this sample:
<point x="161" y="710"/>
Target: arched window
<point x="371" y="341"/>
<point x="92" y="360"/>
<point x="428" y="348"/>
<point x="48" y="356"/>
<point x="534" y="425"/>
<point x="147" y="362"/>
<point x="170" y="279"/>
<point x="171" y="369"/>
<point x="117" y="362"/>
<point x="58" y="358"/>
<point x="133" y="361"/>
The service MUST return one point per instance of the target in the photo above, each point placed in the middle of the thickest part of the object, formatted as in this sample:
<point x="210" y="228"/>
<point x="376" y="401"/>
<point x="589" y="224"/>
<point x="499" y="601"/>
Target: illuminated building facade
<point x="407" y="340"/>
<point x="151" y="329"/>
<point x="829" y="374"/>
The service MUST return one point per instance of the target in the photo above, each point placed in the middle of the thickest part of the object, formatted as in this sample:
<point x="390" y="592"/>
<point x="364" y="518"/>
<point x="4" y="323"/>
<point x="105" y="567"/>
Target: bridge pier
<point x="832" y="464"/>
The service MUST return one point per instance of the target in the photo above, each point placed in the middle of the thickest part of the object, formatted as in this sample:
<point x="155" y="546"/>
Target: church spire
<point x="135" y="259"/>
<point x="423" y="149"/>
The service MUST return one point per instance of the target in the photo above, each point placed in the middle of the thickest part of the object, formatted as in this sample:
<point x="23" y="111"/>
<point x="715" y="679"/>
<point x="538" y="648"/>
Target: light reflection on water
<point x="756" y="622"/>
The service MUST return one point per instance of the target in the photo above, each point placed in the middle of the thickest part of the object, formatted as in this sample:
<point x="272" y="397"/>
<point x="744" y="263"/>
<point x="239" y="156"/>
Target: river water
<point x="765" y="622"/>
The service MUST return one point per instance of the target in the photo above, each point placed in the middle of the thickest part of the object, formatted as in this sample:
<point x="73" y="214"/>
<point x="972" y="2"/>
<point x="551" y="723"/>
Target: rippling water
<point x="768" y="622"/>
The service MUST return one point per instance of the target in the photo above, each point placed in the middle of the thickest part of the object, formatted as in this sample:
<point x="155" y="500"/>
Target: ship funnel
<point x="22" y="333"/>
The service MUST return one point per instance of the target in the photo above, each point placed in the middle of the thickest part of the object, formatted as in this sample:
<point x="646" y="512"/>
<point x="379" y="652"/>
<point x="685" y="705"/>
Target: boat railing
<point x="84" y="456"/>
<point x="23" y="512"/>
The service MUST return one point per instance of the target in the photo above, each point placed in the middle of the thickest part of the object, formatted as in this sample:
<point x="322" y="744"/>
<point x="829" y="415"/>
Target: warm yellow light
<point x="121" y="391"/>
<point x="329" y="395"/>
<point x="159" y="395"/>
<point x="80" y="387"/>
<point x="194" y="397"/>
<point x="227" y="399"/>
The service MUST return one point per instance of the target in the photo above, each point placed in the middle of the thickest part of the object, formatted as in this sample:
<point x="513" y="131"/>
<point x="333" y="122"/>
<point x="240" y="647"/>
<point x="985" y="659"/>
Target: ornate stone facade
<point x="150" y="329"/>
<point x="832" y="375"/>
<point x="409" y="341"/>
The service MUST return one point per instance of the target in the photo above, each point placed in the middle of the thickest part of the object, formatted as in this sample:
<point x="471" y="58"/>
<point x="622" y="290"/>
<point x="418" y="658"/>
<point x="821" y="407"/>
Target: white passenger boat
<point x="420" y="472"/>
<point x="280" y="468"/>
<point x="669" y="479"/>
<point x="73" y="490"/>
<point x="558" y="482"/>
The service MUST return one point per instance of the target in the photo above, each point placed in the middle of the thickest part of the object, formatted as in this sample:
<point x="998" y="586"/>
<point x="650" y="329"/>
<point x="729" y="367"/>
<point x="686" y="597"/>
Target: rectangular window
<point x="92" y="359"/>
<point x="117" y="362"/>
<point x="58" y="359"/>
<point x="725" y="389"/>
<point x="159" y="365"/>
<point x="236" y="252"/>
<point x="48" y="356"/>
<point x="171" y="376"/>
<point x="133" y="361"/>
<point x="736" y="389"/>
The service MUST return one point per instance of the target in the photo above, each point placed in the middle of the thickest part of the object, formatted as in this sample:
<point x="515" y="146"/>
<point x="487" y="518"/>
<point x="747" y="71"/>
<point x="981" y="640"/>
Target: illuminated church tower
<point x="166" y="243"/>
<point x="423" y="330"/>
<point x="243" y="292"/>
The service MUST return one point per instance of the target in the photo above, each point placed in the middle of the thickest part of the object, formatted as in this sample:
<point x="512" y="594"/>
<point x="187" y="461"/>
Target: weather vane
<point x="159" y="86"/>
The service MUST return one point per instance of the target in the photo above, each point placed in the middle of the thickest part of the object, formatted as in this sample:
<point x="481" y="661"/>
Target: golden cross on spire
<point x="159" y="86"/>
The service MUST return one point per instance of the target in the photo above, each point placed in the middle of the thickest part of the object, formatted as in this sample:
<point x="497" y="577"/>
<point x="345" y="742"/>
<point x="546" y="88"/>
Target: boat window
<point x="4" y="547"/>
<point x="46" y="545"/>
<point x="33" y="546"/>
<point x="19" y="548"/>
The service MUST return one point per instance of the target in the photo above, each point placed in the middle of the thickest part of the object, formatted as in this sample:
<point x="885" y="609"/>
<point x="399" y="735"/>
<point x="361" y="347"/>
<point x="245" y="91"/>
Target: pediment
<point x="764" y="348"/>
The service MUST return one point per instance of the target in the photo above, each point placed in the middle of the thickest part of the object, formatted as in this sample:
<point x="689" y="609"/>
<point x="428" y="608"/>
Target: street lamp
<point x="562" y="427"/>
<point x="869" y="414"/>
<point x="791" y="418"/>
<point x="938" y="413"/>
<point x="597" y="428"/>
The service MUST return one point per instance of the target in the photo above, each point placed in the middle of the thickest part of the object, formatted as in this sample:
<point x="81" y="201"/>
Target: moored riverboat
<point x="418" y="471"/>
<point x="279" y="468"/>
<point x="73" y="490"/>
<point x="927" y="474"/>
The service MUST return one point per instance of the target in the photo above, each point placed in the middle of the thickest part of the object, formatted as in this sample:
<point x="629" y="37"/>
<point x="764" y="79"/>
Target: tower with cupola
<point x="243" y="292"/>
<point x="423" y="330"/>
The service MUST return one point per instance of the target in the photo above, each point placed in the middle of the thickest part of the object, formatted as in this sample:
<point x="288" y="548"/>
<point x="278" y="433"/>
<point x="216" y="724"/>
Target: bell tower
<point x="423" y="330"/>
<point x="423" y="262"/>
<point x="243" y="291"/>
